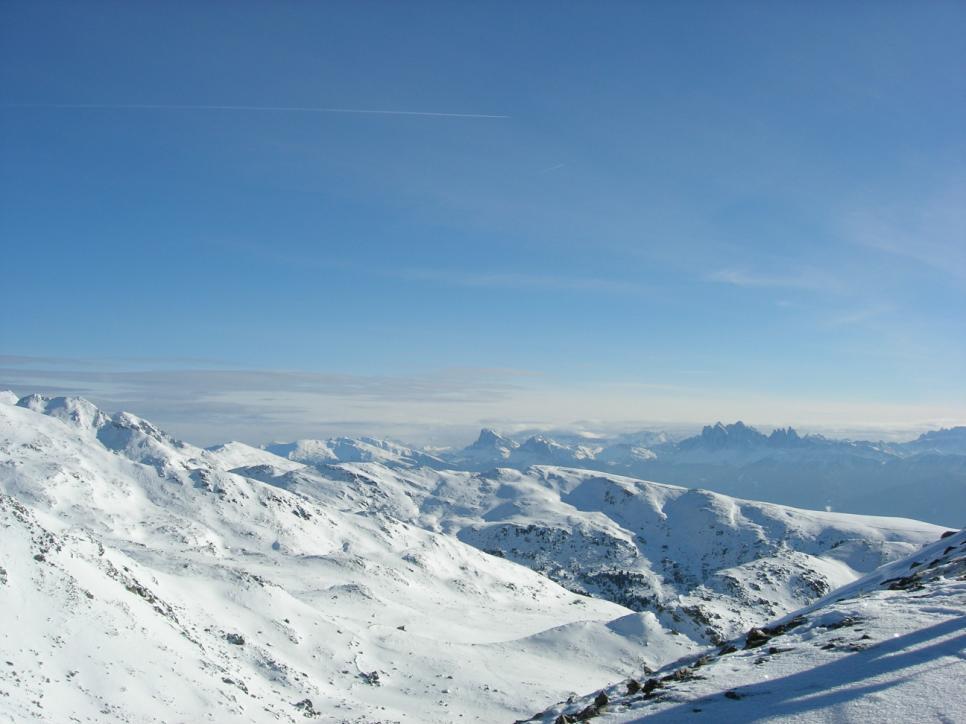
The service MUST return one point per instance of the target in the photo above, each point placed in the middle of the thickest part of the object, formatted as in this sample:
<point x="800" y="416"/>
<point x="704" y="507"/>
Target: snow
<point x="239" y="455"/>
<point x="347" y="449"/>
<point x="178" y="554"/>
<point x="711" y="565"/>
<point x="889" y="647"/>
<point x="922" y="478"/>
<point x="144" y="579"/>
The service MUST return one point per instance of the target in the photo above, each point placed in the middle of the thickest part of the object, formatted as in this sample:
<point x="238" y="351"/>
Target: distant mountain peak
<point x="490" y="439"/>
<point x="719" y="435"/>
<point x="783" y="436"/>
<point x="943" y="433"/>
<point x="539" y="443"/>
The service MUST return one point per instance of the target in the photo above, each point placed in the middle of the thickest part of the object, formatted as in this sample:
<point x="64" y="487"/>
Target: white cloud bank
<point x="445" y="407"/>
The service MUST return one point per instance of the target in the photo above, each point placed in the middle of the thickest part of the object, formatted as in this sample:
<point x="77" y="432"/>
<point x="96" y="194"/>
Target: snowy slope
<point x="889" y="647"/>
<point x="140" y="582"/>
<point x="352" y="450"/>
<point x="706" y="565"/>
<point x="145" y="579"/>
<point x="238" y="455"/>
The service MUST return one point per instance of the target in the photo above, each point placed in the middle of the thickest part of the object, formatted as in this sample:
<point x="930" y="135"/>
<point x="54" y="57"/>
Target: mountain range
<point x="924" y="478"/>
<point x="145" y="579"/>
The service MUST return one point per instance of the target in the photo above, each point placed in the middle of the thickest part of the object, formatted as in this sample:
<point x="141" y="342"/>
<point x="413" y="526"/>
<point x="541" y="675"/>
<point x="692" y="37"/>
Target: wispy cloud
<point x="857" y="316"/>
<point x="211" y="405"/>
<point x="520" y="280"/>
<point x="244" y="109"/>
<point x="446" y="407"/>
<point x="104" y="363"/>
<point x="931" y="232"/>
<point x="805" y="279"/>
<point x="554" y="167"/>
<point x="469" y="385"/>
<point x="524" y="281"/>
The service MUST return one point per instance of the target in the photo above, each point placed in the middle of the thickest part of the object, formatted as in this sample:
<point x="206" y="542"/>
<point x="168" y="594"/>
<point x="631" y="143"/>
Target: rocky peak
<point x="490" y="439"/>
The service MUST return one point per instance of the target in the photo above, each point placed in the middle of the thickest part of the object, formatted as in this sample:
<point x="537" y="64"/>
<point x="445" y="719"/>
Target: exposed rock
<point x="307" y="708"/>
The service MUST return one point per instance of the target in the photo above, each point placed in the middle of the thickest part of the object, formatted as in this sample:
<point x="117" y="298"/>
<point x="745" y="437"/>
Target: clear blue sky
<point x="683" y="211"/>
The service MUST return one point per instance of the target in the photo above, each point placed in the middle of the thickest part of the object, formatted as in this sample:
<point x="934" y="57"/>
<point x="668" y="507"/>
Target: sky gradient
<point x="268" y="220"/>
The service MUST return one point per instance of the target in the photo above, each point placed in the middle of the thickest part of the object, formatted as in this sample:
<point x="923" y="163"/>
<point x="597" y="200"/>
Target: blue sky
<point x="635" y="212"/>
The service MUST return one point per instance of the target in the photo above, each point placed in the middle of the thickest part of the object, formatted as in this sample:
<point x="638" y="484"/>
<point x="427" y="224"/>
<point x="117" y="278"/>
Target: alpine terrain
<point x="143" y="579"/>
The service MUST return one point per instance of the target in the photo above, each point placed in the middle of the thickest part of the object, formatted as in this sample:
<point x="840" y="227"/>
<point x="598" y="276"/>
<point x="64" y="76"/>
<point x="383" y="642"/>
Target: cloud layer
<point x="444" y="407"/>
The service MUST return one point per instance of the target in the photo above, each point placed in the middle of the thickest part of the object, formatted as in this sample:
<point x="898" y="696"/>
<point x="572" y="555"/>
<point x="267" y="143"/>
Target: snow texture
<point x="143" y="579"/>
<point x="889" y="647"/>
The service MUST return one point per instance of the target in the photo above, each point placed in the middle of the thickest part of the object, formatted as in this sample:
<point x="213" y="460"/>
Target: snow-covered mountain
<point x="145" y="579"/>
<point x="141" y="581"/>
<point x="889" y="647"/>
<point x="706" y="565"/>
<point x="490" y="447"/>
<point x="924" y="478"/>
<point x="352" y="450"/>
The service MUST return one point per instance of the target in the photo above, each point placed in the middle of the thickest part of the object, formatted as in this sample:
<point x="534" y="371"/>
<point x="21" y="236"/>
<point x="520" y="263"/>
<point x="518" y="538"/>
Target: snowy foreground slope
<point x="142" y="580"/>
<point x="173" y="591"/>
<point x="889" y="648"/>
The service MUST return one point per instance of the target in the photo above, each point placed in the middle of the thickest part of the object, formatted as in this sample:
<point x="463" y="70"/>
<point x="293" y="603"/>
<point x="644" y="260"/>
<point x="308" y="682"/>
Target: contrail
<point x="270" y="109"/>
<point x="555" y="167"/>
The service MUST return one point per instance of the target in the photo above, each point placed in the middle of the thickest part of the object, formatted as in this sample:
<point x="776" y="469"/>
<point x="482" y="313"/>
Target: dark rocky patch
<point x="370" y="677"/>
<point x="759" y="636"/>
<point x="844" y="623"/>
<point x="307" y="708"/>
<point x="756" y="637"/>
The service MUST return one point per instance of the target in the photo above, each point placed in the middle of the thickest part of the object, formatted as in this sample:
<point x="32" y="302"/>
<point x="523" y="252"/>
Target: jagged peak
<point x="720" y="434"/>
<point x="784" y="434"/>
